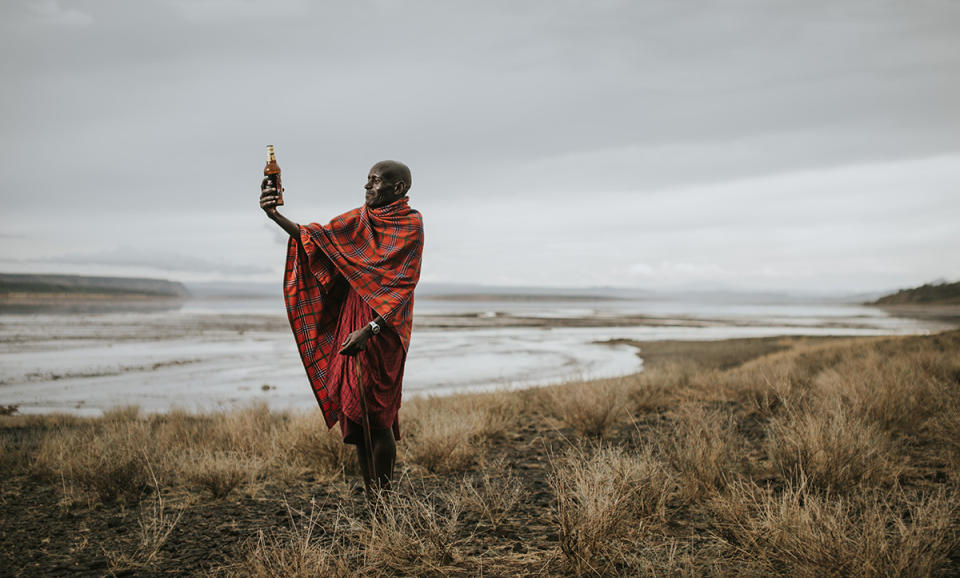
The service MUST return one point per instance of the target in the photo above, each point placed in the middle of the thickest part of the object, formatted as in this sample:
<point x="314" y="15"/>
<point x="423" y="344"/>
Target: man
<point x="350" y="283"/>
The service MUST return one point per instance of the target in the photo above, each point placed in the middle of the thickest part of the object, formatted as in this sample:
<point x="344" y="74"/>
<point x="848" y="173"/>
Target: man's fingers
<point x="351" y="348"/>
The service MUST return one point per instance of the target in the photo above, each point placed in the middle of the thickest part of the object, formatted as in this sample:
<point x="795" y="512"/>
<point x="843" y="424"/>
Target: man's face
<point x="382" y="188"/>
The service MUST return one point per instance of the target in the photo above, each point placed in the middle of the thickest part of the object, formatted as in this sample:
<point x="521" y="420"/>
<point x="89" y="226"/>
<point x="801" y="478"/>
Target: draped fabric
<point x="381" y="365"/>
<point x="373" y="252"/>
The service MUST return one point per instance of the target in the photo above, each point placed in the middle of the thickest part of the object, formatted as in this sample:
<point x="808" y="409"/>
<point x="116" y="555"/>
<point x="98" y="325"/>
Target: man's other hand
<point x="356" y="342"/>
<point x="268" y="197"/>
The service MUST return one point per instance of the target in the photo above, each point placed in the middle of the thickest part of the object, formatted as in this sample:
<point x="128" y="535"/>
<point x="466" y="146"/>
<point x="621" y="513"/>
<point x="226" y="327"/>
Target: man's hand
<point x="356" y="341"/>
<point x="268" y="197"/>
<point x="268" y="202"/>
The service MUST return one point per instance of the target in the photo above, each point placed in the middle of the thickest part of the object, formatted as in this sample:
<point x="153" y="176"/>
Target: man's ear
<point x="400" y="188"/>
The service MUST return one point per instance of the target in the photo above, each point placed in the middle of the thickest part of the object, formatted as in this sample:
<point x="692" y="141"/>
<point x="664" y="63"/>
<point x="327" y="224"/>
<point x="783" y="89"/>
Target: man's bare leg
<point x="384" y="457"/>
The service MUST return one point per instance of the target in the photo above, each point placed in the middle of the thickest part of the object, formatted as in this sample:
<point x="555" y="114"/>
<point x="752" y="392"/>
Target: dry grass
<point x="155" y="526"/>
<point x="768" y="385"/>
<point x="441" y="439"/>
<point x="832" y="449"/>
<point x="704" y="449"/>
<point x="798" y="532"/>
<point x="297" y="552"/>
<point x="219" y="473"/>
<point x="900" y="394"/>
<point x="779" y="457"/>
<point x="494" y="493"/>
<point x="412" y="533"/>
<point x="309" y="445"/>
<point x="591" y="409"/>
<point x="106" y="463"/>
<point x="104" y="460"/>
<point x="605" y="499"/>
<point x="407" y="532"/>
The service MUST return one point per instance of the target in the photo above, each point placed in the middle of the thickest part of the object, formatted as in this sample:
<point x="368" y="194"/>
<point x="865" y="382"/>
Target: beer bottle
<point x="272" y="172"/>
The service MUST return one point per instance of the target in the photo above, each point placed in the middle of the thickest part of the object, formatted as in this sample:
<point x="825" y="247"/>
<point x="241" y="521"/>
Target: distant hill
<point x="17" y="283"/>
<point x="940" y="294"/>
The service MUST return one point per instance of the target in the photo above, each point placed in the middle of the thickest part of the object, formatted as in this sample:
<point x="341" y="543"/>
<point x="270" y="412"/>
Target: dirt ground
<point x="41" y="537"/>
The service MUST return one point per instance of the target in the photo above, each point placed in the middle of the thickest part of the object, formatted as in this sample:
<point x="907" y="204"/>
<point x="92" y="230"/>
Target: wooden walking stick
<point x="365" y="426"/>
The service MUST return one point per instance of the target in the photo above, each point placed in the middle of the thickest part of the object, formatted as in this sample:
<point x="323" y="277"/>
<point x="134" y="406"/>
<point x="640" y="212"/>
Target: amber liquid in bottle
<point x="272" y="172"/>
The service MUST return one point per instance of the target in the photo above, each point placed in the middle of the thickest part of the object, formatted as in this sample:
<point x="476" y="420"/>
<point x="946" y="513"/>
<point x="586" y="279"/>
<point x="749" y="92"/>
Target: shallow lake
<point x="205" y="354"/>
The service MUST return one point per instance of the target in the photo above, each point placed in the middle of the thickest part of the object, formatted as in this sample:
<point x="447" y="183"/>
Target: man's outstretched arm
<point x="268" y="202"/>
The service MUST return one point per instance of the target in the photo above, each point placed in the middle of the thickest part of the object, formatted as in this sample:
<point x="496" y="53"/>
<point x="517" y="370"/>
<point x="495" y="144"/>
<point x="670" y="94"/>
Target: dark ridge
<point x="939" y="294"/>
<point x="17" y="283"/>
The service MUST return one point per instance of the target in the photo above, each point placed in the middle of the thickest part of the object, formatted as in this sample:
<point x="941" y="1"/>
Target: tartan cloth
<point x="381" y="363"/>
<point x="378" y="252"/>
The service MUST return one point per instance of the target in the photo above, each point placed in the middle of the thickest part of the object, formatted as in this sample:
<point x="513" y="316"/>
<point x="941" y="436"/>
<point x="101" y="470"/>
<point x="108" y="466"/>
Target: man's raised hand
<point x="268" y="197"/>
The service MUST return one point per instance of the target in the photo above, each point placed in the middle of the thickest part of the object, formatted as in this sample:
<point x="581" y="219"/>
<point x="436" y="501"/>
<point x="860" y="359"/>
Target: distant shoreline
<point x="517" y="297"/>
<point x="80" y="298"/>
<point x="949" y="313"/>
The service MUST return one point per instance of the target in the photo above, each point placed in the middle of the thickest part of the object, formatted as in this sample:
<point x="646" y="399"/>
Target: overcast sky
<point x="760" y="144"/>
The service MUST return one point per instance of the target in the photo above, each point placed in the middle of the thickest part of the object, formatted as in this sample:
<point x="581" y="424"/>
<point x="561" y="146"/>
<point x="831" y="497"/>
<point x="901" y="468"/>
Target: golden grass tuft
<point x="412" y="533"/>
<point x="106" y="463"/>
<point x="704" y="449"/>
<point x="407" y="532"/>
<point x="832" y="449"/>
<point x="605" y="499"/>
<point x="291" y="556"/>
<point x="798" y="532"/>
<point x="155" y="525"/>
<point x="105" y="460"/>
<point x="219" y="473"/>
<point x="297" y="551"/>
<point x="442" y="439"/>
<point x="591" y="408"/>
<point x="307" y="444"/>
<point x="493" y="493"/>
<point x="899" y="393"/>
<point x="121" y="414"/>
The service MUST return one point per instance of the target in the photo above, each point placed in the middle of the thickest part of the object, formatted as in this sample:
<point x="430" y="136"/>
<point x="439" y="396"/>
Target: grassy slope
<point x="942" y="294"/>
<point x="766" y="456"/>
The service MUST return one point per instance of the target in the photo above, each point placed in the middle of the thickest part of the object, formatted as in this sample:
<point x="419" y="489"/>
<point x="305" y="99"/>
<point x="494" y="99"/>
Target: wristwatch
<point x="374" y="328"/>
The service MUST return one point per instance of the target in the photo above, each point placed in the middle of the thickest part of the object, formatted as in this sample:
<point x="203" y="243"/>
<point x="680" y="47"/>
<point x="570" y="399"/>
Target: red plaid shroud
<point x="377" y="251"/>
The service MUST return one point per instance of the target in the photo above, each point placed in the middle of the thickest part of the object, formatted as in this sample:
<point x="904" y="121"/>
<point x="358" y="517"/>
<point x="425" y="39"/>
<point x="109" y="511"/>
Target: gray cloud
<point x="121" y="115"/>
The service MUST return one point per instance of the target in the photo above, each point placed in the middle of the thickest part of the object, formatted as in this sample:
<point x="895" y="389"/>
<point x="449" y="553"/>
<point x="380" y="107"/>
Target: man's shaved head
<point x="396" y="171"/>
<point x="387" y="182"/>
